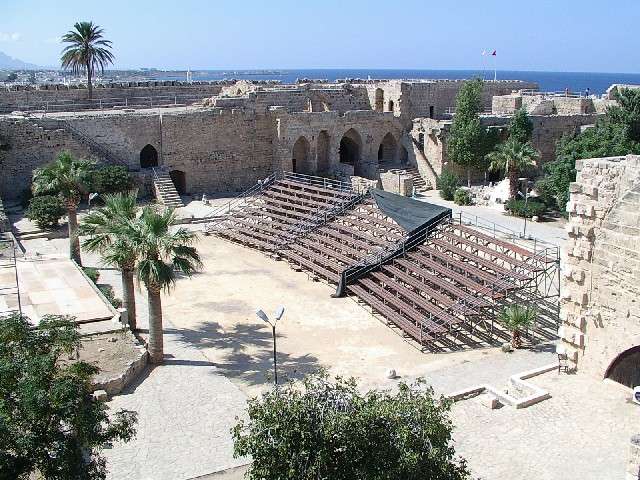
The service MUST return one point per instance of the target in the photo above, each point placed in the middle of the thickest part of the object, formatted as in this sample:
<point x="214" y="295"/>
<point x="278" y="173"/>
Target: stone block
<point x="100" y="396"/>
<point x="490" y="401"/>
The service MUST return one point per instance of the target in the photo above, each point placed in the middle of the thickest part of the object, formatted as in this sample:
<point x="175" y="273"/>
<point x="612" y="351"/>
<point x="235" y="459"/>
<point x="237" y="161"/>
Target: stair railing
<point x="241" y="199"/>
<point x="92" y="144"/>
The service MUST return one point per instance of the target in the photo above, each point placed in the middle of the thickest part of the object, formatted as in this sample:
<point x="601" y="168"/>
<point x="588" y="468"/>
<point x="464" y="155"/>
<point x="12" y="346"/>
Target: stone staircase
<point x="165" y="189"/>
<point x="419" y="183"/>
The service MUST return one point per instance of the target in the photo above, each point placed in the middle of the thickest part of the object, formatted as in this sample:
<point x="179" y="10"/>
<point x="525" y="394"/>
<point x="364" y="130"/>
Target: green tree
<point x="521" y="126"/>
<point x="106" y="230"/>
<point x="67" y="177"/>
<point x="111" y="179"/>
<point x="512" y="157"/>
<point x="46" y="210"/>
<point x="329" y="430"/>
<point x="617" y="133"/>
<point x="49" y="422"/>
<point x="87" y="51"/>
<point x="161" y="253"/>
<point x="467" y="142"/>
<point x="517" y="318"/>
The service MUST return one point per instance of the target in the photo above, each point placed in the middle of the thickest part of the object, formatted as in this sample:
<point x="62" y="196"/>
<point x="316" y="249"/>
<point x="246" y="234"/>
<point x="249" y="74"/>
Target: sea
<point x="597" y="83"/>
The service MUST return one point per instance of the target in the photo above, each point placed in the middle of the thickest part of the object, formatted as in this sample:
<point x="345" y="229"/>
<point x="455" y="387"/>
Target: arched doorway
<point x="379" y="100"/>
<point x="625" y="368"/>
<point x="391" y="105"/>
<point x="322" y="152"/>
<point x="388" y="149"/>
<point x="179" y="179"/>
<point x="148" y="157"/>
<point x="300" y="156"/>
<point x="404" y="155"/>
<point x="350" y="147"/>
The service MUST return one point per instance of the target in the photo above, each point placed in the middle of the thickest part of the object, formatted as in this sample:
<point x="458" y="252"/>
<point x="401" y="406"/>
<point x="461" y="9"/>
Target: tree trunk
<point x="155" y="344"/>
<point x="89" y="86"/>
<point x="129" y="297"/>
<point x="513" y="183"/>
<point x="516" y="340"/>
<point x="468" y="177"/>
<point x="74" y="241"/>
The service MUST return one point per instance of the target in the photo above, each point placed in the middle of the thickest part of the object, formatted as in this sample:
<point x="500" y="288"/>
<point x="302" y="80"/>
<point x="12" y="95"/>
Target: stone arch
<point x="350" y="147"/>
<point x="625" y="368"/>
<point x="322" y="152"/>
<point x="404" y="155"/>
<point x="179" y="179"/>
<point x="148" y="156"/>
<point x="391" y="105"/>
<point x="300" y="156"/>
<point x="388" y="149"/>
<point x="379" y="100"/>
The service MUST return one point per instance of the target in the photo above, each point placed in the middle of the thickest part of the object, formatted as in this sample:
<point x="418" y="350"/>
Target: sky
<point x="559" y="35"/>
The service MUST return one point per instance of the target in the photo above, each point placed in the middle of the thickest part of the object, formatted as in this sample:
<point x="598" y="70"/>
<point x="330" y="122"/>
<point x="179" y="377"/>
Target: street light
<point x="263" y="316"/>
<point x="526" y="199"/>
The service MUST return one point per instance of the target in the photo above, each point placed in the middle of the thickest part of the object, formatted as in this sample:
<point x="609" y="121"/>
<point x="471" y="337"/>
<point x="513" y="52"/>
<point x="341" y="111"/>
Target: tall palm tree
<point x="107" y="231"/>
<point x="516" y="318"/>
<point x="87" y="51"/>
<point x="512" y="157"/>
<point x="67" y="177"/>
<point x="161" y="254"/>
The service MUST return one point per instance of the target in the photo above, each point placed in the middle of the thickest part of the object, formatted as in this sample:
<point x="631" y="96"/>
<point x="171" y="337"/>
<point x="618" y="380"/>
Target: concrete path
<point x="186" y="409"/>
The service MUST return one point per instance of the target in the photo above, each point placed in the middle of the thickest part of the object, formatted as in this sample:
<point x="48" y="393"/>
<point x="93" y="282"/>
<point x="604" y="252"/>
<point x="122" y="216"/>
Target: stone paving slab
<point x="186" y="409"/>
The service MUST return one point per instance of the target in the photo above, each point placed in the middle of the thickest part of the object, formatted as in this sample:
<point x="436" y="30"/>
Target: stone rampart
<point x="600" y="288"/>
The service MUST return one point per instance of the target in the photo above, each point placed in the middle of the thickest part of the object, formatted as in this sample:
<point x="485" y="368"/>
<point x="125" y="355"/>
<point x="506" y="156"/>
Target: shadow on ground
<point x="247" y="352"/>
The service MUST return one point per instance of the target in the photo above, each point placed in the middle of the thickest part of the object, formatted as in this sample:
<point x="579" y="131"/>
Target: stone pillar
<point x="633" y="463"/>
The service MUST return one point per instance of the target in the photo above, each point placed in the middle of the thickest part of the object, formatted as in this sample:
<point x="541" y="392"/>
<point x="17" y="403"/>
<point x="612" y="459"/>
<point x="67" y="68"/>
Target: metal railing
<point x="241" y="199"/>
<point x="60" y="105"/>
<point x="564" y="94"/>
<point x="377" y="259"/>
<point x="505" y="233"/>
<point x="319" y="219"/>
<point x="93" y="145"/>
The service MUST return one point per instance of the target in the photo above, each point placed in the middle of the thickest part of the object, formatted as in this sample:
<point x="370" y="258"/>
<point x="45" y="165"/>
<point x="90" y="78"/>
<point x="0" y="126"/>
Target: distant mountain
<point x="10" y="63"/>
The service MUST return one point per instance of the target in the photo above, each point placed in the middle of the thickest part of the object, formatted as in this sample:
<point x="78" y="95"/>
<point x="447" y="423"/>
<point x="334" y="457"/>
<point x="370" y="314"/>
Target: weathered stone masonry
<point x="601" y="279"/>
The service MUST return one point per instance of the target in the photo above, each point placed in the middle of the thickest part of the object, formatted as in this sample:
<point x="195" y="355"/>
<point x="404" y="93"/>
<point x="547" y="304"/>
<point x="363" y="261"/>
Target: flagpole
<point x="495" y="70"/>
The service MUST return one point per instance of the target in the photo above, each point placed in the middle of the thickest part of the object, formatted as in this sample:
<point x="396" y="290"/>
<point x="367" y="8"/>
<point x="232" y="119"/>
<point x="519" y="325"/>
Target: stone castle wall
<point x="25" y="147"/>
<point x="14" y="99"/>
<point x="600" y="305"/>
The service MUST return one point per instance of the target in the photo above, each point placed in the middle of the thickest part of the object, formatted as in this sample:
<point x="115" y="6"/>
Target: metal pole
<point x="275" y="361"/>
<point x="526" y="198"/>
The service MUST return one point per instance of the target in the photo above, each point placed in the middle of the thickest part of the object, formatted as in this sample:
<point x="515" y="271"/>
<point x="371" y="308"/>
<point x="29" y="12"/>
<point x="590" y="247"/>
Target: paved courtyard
<point x="51" y="285"/>
<point x="218" y="353"/>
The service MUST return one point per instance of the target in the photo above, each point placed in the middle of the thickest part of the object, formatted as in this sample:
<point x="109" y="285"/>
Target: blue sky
<point x="560" y="35"/>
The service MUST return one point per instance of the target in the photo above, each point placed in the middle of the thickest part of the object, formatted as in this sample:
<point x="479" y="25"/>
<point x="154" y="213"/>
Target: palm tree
<point x="161" y="253"/>
<point x="107" y="231"/>
<point x="68" y="177"/>
<point x="512" y="157"/>
<point x="515" y="318"/>
<point x="87" y="51"/>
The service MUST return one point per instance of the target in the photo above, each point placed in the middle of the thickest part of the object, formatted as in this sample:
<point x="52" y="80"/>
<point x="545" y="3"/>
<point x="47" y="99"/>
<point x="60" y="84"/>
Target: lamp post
<point x="263" y="316"/>
<point x="526" y="199"/>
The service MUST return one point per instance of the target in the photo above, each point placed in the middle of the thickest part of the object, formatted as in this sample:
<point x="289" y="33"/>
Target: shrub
<point x="107" y="291"/>
<point x="532" y="208"/>
<point x="447" y="183"/>
<point x="111" y="179"/>
<point x="462" y="196"/>
<point x="46" y="210"/>
<point x="327" y="429"/>
<point x="92" y="273"/>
